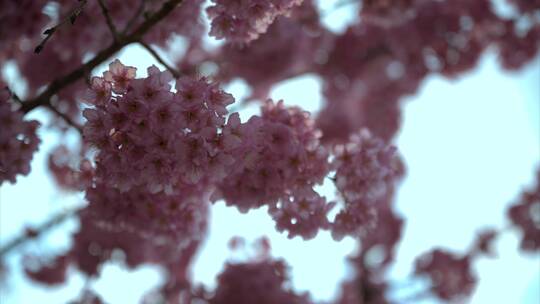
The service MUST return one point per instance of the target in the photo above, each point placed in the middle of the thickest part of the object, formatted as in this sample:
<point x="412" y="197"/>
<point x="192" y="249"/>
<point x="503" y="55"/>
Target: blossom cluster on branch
<point x="18" y="139"/>
<point x="157" y="151"/>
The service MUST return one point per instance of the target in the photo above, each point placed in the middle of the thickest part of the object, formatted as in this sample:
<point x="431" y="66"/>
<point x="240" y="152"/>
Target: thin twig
<point x="153" y="52"/>
<point x="108" y="19"/>
<point x="65" y="117"/>
<point x="137" y="14"/>
<point x="71" y="17"/>
<point x="61" y="82"/>
<point x="34" y="233"/>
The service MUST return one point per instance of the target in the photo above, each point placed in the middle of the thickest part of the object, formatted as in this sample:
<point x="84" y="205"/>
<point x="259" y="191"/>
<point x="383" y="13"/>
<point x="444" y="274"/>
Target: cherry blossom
<point x="18" y="139"/>
<point x="525" y="215"/>
<point x="150" y="137"/>
<point x="255" y="282"/>
<point x="155" y="152"/>
<point x="243" y="21"/>
<point x="450" y="275"/>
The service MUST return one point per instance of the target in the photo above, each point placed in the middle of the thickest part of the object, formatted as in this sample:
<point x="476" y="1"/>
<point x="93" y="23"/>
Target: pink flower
<point x="451" y="276"/>
<point x="261" y="282"/>
<point x="50" y="273"/>
<point x="243" y="21"/>
<point x="150" y="137"/>
<point x="525" y="216"/>
<point x="99" y="92"/>
<point x="302" y="215"/>
<point x="119" y="75"/>
<point x="18" y="140"/>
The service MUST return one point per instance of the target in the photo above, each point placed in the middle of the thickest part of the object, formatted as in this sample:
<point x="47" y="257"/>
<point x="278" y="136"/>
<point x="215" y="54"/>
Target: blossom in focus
<point x="150" y="137"/>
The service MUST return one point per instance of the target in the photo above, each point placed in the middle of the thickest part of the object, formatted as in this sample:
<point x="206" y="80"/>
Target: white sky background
<point x="470" y="145"/>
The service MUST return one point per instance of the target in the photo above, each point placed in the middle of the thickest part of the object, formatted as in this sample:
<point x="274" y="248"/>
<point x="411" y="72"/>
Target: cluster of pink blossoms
<point x="163" y="218"/>
<point x="255" y="282"/>
<point x="291" y="46"/>
<point x="525" y="215"/>
<point x="18" y="139"/>
<point x="24" y="22"/>
<point x="261" y="279"/>
<point x="384" y="11"/>
<point x="241" y="21"/>
<point x="366" y="172"/>
<point x="450" y="275"/>
<point x="278" y="164"/>
<point x="159" y="152"/>
<point x="93" y="246"/>
<point x="149" y="137"/>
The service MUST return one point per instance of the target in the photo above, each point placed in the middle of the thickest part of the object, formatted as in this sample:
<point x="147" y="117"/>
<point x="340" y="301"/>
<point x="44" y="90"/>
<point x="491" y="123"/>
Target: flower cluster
<point x="386" y="12"/>
<point x="93" y="246"/>
<point x="255" y="282"/>
<point x="152" y="138"/>
<point x="450" y="275"/>
<point x="159" y="152"/>
<point x="302" y="215"/>
<point x="243" y="21"/>
<point x="371" y="67"/>
<point x="280" y="159"/>
<point x="18" y="140"/>
<point x="158" y="217"/>
<point x="67" y="48"/>
<point x="525" y="215"/>
<point x="517" y="46"/>
<point x="51" y="272"/>
<point x="280" y="156"/>
<point x="291" y="46"/>
<point x="162" y="153"/>
<point x="366" y="172"/>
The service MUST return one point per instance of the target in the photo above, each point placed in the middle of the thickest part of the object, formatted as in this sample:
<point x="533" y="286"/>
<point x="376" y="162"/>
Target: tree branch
<point x="153" y="52"/>
<point x="65" y="117"/>
<point x="71" y="17"/>
<point x="110" y="24"/>
<point x="60" y="83"/>
<point x="138" y="13"/>
<point x="34" y="233"/>
<point x="53" y="109"/>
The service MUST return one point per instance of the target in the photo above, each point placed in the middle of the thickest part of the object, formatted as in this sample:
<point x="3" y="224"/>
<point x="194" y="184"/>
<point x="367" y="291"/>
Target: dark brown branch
<point x="108" y="19"/>
<point x="71" y="17"/>
<point x="65" y="117"/>
<point x="34" y="233"/>
<point x="153" y="52"/>
<point x="60" y="83"/>
<point x="136" y="16"/>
